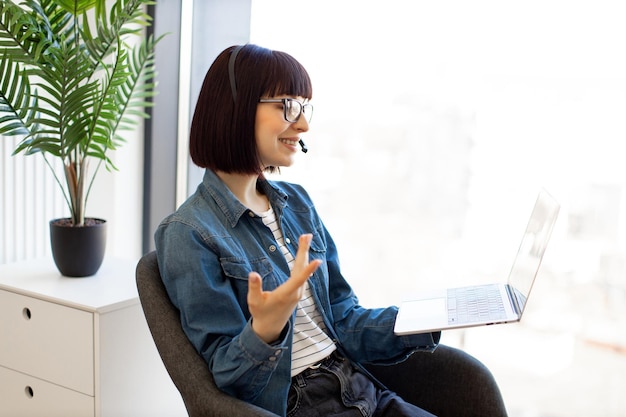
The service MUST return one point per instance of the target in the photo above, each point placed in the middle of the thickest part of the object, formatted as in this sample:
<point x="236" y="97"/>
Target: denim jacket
<point x="206" y="250"/>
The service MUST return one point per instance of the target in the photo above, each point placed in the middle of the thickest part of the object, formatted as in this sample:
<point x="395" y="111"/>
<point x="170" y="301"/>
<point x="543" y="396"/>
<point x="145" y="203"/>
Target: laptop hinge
<point x="514" y="301"/>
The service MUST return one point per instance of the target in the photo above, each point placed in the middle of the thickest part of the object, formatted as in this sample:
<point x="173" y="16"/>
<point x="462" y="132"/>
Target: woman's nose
<point x="301" y="124"/>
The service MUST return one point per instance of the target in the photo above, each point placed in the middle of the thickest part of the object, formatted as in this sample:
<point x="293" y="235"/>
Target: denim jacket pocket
<point x="317" y="248"/>
<point x="238" y="269"/>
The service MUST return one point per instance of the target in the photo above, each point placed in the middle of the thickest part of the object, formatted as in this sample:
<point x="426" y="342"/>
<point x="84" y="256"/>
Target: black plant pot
<point x="78" y="251"/>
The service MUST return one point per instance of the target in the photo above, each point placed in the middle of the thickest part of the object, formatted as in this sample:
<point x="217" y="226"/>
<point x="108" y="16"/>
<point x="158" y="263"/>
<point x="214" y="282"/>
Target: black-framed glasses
<point x="292" y="108"/>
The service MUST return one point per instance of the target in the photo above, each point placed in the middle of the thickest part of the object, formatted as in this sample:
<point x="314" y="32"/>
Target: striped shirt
<point x="311" y="344"/>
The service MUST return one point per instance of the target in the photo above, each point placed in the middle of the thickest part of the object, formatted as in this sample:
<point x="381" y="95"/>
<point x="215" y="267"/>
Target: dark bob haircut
<point x="222" y="134"/>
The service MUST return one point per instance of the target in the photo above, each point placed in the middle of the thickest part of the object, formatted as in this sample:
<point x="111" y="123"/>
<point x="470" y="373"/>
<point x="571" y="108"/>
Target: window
<point x="435" y="126"/>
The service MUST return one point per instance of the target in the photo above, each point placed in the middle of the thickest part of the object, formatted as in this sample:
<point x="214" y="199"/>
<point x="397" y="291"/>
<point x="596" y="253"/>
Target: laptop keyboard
<point x="473" y="304"/>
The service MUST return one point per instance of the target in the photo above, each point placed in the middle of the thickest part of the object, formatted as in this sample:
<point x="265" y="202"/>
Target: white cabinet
<point x="78" y="346"/>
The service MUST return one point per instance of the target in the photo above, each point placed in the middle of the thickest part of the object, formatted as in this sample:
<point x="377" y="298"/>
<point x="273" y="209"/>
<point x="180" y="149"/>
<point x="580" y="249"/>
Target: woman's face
<point x="276" y="138"/>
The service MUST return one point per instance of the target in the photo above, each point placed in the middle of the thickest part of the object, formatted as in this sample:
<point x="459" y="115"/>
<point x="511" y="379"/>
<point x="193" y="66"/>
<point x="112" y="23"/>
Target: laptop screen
<point x="532" y="247"/>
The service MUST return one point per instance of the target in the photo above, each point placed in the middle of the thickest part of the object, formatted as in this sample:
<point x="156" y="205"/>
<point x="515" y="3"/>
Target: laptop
<point x="485" y="304"/>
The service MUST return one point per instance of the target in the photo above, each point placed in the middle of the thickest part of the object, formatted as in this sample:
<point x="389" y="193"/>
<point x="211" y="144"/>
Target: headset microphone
<point x="303" y="146"/>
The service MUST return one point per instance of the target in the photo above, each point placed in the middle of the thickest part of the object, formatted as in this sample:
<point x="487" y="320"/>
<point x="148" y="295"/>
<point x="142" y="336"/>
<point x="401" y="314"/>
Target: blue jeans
<point x="336" y="388"/>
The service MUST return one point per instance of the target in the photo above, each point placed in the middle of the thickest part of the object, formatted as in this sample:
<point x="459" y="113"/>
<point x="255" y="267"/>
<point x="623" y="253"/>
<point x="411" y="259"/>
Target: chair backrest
<point x="186" y="367"/>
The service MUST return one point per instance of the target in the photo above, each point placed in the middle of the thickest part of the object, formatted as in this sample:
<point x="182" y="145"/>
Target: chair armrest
<point x="447" y="382"/>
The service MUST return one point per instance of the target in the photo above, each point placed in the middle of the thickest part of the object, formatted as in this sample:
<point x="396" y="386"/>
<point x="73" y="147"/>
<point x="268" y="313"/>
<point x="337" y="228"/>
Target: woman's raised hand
<point x="271" y="310"/>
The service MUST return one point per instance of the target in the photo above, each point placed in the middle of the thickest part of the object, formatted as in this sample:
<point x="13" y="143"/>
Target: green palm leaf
<point x="70" y="81"/>
<point x="21" y="36"/>
<point x="16" y="102"/>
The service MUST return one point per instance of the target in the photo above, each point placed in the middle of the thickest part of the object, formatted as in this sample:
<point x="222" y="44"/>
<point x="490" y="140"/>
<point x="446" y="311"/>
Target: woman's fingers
<point x="302" y="268"/>
<point x="302" y="255"/>
<point x="255" y="288"/>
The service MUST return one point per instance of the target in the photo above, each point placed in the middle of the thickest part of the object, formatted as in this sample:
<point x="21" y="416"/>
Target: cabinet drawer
<point x="48" y="341"/>
<point x="24" y="396"/>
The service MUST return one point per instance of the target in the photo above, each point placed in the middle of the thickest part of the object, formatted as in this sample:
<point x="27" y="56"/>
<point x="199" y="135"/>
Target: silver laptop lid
<point x="532" y="248"/>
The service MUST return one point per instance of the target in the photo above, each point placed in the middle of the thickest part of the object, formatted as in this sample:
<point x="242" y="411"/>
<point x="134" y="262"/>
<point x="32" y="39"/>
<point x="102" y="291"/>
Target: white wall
<point x="30" y="198"/>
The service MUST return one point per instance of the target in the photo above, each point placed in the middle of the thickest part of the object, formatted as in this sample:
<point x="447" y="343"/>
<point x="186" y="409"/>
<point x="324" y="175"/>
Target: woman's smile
<point x="289" y="141"/>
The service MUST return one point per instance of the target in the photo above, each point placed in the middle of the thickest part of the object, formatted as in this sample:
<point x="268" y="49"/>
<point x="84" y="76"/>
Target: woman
<point x="251" y="266"/>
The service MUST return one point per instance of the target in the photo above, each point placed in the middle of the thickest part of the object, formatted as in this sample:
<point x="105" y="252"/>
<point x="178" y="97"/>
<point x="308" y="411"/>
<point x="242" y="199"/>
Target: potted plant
<point x="73" y="74"/>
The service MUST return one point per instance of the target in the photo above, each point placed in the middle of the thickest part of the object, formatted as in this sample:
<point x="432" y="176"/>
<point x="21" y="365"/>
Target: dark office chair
<point x="448" y="382"/>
